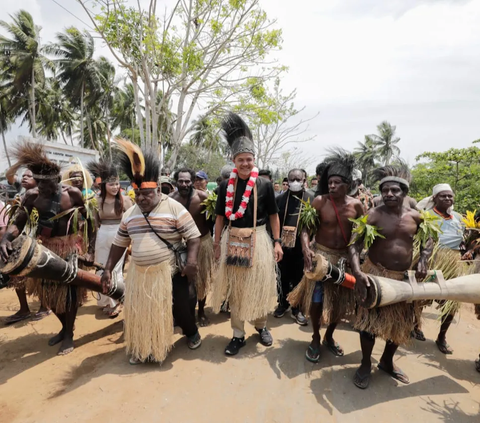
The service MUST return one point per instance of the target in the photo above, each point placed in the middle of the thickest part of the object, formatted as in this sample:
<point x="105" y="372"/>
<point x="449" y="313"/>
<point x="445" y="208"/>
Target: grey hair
<point x="226" y="171"/>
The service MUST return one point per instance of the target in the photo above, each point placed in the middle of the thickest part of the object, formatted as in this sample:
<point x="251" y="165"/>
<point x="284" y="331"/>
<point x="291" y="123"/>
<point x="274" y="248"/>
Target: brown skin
<point x="330" y="235"/>
<point x="200" y="184"/>
<point x="398" y="224"/>
<point x="28" y="183"/>
<point x="408" y="202"/>
<point x="443" y="201"/>
<point x="245" y="162"/>
<point x="39" y="198"/>
<point x="147" y="200"/>
<point x="77" y="180"/>
<point x="196" y="209"/>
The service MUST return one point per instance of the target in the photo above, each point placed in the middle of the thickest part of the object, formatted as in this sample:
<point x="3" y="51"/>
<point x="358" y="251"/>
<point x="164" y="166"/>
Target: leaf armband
<point x="363" y="230"/>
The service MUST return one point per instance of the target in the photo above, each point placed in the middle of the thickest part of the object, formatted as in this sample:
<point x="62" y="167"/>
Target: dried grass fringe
<point x="148" y="311"/>
<point x="394" y="322"/>
<point x="17" y="282"/>
<point x="251" y="292"/>
<point x="338" y="302"/>
<point x="54" y="294"/>
<point x="206" y="260"/>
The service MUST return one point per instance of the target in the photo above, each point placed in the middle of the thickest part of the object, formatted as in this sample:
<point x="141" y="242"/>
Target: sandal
<point x="194" y="341"/>
<point x="312" y="354"/>
<point x="10" y="320"/>
<point x="360" y="381"/>
<point x="395" y="373"/>
<point x="115" y="311"/>
<point x="39" y="315"/>
<point x="444" y="347"/>
<point x="335" y="348"/>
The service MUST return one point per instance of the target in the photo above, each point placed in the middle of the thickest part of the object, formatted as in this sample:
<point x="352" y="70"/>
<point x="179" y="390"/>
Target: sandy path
<point x="96" y="384"/>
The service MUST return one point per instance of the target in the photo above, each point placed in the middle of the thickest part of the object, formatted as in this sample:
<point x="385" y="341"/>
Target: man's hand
<point x="218" y="251"/>
<point x="5" y="248"/>
<point x="106" y="280"/>
<point x="190" y="271"/>
<point x="278" y="252"/>
<point x="421" y="272"/>
<point x="468" y="255"/>
<point x="308" y="256"/>
<point x="361" y="285"/>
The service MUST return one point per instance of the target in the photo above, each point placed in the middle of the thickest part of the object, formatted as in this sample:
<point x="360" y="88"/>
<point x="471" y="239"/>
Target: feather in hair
<point x="102" y="169"/>
<point x="339" y="162"/>
<point x="33" y="157"/>
<point x="398" y="170"/>
<point x="234" y="128"/>
<point x="135" y="159"/>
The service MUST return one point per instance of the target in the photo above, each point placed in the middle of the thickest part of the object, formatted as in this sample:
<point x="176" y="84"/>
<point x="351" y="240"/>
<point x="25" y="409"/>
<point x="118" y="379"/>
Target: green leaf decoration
<point x="308" y="217"/>
<point x="428" y="228"/>
<point x="363" y="230"/>
<point x="210" y="203"/>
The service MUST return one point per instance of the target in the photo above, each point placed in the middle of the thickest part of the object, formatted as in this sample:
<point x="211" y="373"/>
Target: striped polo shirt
<point x="169" y="219"/>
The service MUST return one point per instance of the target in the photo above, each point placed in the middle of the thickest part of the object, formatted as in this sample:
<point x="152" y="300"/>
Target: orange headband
<point x="145" y="185"/>
<point x="98" y="180"/>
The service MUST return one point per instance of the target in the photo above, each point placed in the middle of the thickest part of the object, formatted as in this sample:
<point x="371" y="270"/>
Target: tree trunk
<point x="139" y="110"/>
<point x="5" y="147"/>
<point x="63" y="137"/>
<point x="81" y="115"/>
<point x="32" y="105"/>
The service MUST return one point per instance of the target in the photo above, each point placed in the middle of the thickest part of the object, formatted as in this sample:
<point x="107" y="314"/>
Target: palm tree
<point x="78" y="69"/>
<point x="5" y="121"/>
<point x="366" y="154"/>
<point x="23" y="64"/>
<point x="55" y="115"/>
<point x="206" y="135"/>
<point x="386" y="141"/>
<point x="124" y="111"/>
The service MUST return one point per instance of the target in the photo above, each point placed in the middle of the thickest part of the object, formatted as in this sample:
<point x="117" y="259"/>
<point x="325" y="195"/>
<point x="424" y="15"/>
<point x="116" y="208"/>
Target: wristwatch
<point x="279" y="240"/>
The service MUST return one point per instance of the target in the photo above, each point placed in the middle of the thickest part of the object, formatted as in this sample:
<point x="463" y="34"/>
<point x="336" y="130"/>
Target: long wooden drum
<point x="384" y="291"/>
<point x="29" y="258"/>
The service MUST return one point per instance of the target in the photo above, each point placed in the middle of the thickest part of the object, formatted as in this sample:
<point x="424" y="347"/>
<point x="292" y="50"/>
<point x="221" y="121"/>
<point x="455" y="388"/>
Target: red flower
<point x="243" y="204"/>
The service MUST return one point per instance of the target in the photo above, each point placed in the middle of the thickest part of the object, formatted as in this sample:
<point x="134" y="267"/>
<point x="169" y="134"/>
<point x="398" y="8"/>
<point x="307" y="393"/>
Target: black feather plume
<point x="339" y="162"/>
<point x="234" y="127"/>
<point x="102" y="169"/>
<point x="399" y="170"/>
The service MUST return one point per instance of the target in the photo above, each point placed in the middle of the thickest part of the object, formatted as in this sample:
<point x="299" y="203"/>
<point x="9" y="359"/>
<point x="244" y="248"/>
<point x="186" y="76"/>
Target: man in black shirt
<point x="291" y="267"/>
<point x="246" y="276"/>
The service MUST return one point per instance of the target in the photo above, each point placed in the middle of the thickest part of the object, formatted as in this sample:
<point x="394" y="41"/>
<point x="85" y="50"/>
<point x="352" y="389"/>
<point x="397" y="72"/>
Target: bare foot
<point x="66" y="347"/>
<point x="203" y="320"/>
<point x="56" y="339"/>
<point x="17" y="317"/>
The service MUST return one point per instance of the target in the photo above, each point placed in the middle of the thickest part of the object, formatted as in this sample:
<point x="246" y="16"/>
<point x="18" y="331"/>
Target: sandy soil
<point x="96" y="384"/>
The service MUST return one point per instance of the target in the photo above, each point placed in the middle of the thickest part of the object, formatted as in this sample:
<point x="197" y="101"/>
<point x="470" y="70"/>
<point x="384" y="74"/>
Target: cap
<point x="166" y="180"/>
<point x="202" y="175"/>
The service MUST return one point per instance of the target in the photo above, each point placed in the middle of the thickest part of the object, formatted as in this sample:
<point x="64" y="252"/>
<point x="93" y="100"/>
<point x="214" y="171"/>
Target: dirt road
<point x="96" y="384"/>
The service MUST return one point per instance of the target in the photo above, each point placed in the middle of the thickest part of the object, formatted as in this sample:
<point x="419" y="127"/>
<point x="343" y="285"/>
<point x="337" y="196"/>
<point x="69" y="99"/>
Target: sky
<point x="357" y="63"/>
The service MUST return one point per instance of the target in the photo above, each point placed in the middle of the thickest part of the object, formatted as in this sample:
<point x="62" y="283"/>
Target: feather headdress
<point x="77" y="168"/>
<point x="339" y="162"/>
<point x="32" y="156"/>
<point x="393" y="173"/>
<point x="103" y="171"/>
<point x="238" y="135"/>
<point x="143" y="168"/>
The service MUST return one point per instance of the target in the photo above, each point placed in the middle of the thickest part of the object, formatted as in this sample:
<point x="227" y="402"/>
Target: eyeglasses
<point x="285" y="183"/>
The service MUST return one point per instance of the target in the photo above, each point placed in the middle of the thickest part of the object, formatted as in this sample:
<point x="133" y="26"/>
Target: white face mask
<point x="295" y="186"/>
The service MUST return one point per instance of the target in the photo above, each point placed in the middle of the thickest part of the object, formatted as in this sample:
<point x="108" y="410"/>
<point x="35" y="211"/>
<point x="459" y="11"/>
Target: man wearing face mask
<point x="192" y="200"/>
<point x="167" y="186"/>
<point x="291" y="267"/>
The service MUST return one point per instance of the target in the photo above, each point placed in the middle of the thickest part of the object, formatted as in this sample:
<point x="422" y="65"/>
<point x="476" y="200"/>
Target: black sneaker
<point x="299" y="318"/>
<point x="234" y="346"/>
<point x="265" y="337"/>
<point x="280" y="311"/>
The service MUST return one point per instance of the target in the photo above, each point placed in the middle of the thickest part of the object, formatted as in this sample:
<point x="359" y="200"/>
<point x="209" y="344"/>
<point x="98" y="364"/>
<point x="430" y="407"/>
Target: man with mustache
<point x="192" y="200"/>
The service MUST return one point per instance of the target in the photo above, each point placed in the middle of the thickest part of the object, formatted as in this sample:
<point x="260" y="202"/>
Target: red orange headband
<point x="145" y="185"/>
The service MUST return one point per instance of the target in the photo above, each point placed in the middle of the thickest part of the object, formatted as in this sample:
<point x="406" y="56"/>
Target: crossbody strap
<point x="168" y="244"/>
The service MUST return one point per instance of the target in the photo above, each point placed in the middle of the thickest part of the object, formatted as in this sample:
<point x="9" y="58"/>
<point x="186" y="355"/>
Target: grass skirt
<point x="206" y="260"/>
<point x="338" y="301"/>
<point x="54" y="294"/>
<point x="148" y="311"/>
<point x="250" y="291"/>
<point x="17" y="282"/>
<point x="393" y="322"/>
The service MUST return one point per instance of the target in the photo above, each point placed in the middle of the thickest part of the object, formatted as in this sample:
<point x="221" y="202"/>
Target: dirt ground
<point x="96" y="384"/>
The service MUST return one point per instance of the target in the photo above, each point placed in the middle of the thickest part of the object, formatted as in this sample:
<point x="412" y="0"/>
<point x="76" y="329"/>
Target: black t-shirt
<point x="266" y="202"/>
<point x="292" y="215"/>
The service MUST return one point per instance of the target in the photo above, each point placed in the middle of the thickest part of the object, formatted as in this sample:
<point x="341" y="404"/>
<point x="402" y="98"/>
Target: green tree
<point x="206" y="134"/>
<point x="78" y="70"/>
<point x="386" y="142"/>
<point x="5" y="122"/>
<point x="124" y="113"/>
<point x="367" y="155"/>
<point x="459" y="167"/>
<point x="23" y="65"/>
